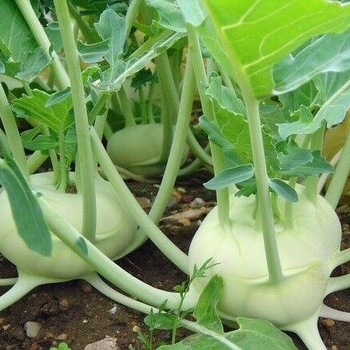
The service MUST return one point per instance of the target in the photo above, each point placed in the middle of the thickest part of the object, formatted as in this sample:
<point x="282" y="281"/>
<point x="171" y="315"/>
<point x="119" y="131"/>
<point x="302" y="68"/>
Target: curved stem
<point x="170" y="101"/>
<point x="168" y="248"/>
<point x="177" y="149"/>
<point x="178" y="145"/>
<point x="222" y="195"/>
<point x="308" y="332"/>
<point x="334" y="314"/>
<point x="133" y="11"/>
<point x="35" y="160"/>
<point x="106" y="267"/>
<point x="90" y="36"/>
<point x="8" y="281"/>
<point x="197" y="149"/>
<point x="95" y="280"/>
<point x="81" y="121"/>
<point x="24" y="284"/>
<point x="126" y="107"/>
<point x="338" y="283"/>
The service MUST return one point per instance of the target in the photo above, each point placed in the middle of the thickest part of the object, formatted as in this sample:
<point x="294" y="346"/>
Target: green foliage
<point x="21" y="55"/>
<point x="25" y="208"/>
<point x="56" y="116"/>
<point x="61" y="346"/>
<point x="278" y="30"/>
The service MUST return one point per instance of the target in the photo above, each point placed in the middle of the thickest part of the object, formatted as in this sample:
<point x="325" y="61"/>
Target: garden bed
<point x="75" y="313"/>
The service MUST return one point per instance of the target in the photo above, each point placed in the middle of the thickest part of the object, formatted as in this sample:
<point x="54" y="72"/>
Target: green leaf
<point x="283" y="189"/>
<point x="334" y="99"/>
<point x="257" y="34"/>
<point x="226" y="97"/>
<point x="161" y="320"/>
<point x="193" y="11"/>
<point x="214" y="133"/>
<point x="330" y="53"/>
<point x="253" y="334"/>
<point x="96" y="7"/>
<point x="230" y="177"/>
<point x="305" y="125"/>
<point x="31" y="64"/>
<point x="112" y="27"/>
<point x="58" y="97"/>
<point x="316" y="166"/>
<point x="170" y="15"/>
<point x="41" y="142"/>
<point x="260" y="335"/>
<point x="53" y="32"/>
<point x="94" y="52"/>
<point x="26" y="211"/>
<point x="202" y="342"/>
<point x="205" y="310"/>
<point x="292" y="156"/>
<point x="141" y="78"/>
<point x="16" y="37"/>
<point x="56" y="117"/>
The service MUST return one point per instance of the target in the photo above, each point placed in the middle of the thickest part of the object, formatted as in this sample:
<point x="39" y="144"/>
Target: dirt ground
<point x="75" y="313"/>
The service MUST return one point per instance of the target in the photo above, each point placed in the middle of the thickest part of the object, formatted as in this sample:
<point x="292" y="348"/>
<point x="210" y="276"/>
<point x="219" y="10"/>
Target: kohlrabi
<point x="274" y="242"/>
<point x="271" y="243"/>
<point x="82" y="217"/>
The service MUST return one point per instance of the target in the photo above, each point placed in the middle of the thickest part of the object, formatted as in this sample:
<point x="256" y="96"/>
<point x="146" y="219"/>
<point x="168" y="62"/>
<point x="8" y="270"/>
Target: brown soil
<point x="77" y="314"/>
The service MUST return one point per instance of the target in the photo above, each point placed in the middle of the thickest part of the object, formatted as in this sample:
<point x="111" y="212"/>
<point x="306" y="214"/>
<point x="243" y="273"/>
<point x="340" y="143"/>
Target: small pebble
<point x="334" y="347"/>
<point x="64" y="303"/>
<point x="327" y="322"/>
<point x="2" y="321"/>
<point x="62" y="336"/>
<point x="113" y="310"/>
<point x="136" y="329"/>
<point x="32" y="329"/>
<point x="108" y="343"/>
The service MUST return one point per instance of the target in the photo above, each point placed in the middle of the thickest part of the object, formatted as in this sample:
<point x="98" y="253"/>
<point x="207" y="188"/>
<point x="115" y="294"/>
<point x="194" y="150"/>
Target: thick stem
<point x="24" y="284"/>
<point x="106" y="267"/>
<point x="90" y="35"/>
<point x="222" y="196"/>
<point x="262" y="183"/>
<point x="131" y="15"/>
<point x="126" y="108"/>
<point x="312" y="181"/>
<point x="197" y="149"/>
<point x="81" y="121"/>
<point x="265" y="212"/>
<point x="340" y="176"/>
<point x="170" y="100"/>
<point x="178" y="145"/>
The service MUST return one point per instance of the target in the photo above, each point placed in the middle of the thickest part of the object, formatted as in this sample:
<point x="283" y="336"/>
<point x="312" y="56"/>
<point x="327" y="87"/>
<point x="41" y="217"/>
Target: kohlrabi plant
<point x="281" y="79"/>
<point x="271" y="77"/>
<point x="54" y="119"/>
<point x="58" y="220"/>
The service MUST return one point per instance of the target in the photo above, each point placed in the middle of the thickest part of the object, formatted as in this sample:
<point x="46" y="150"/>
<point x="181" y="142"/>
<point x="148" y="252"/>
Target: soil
<point x="75" y="313"/>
